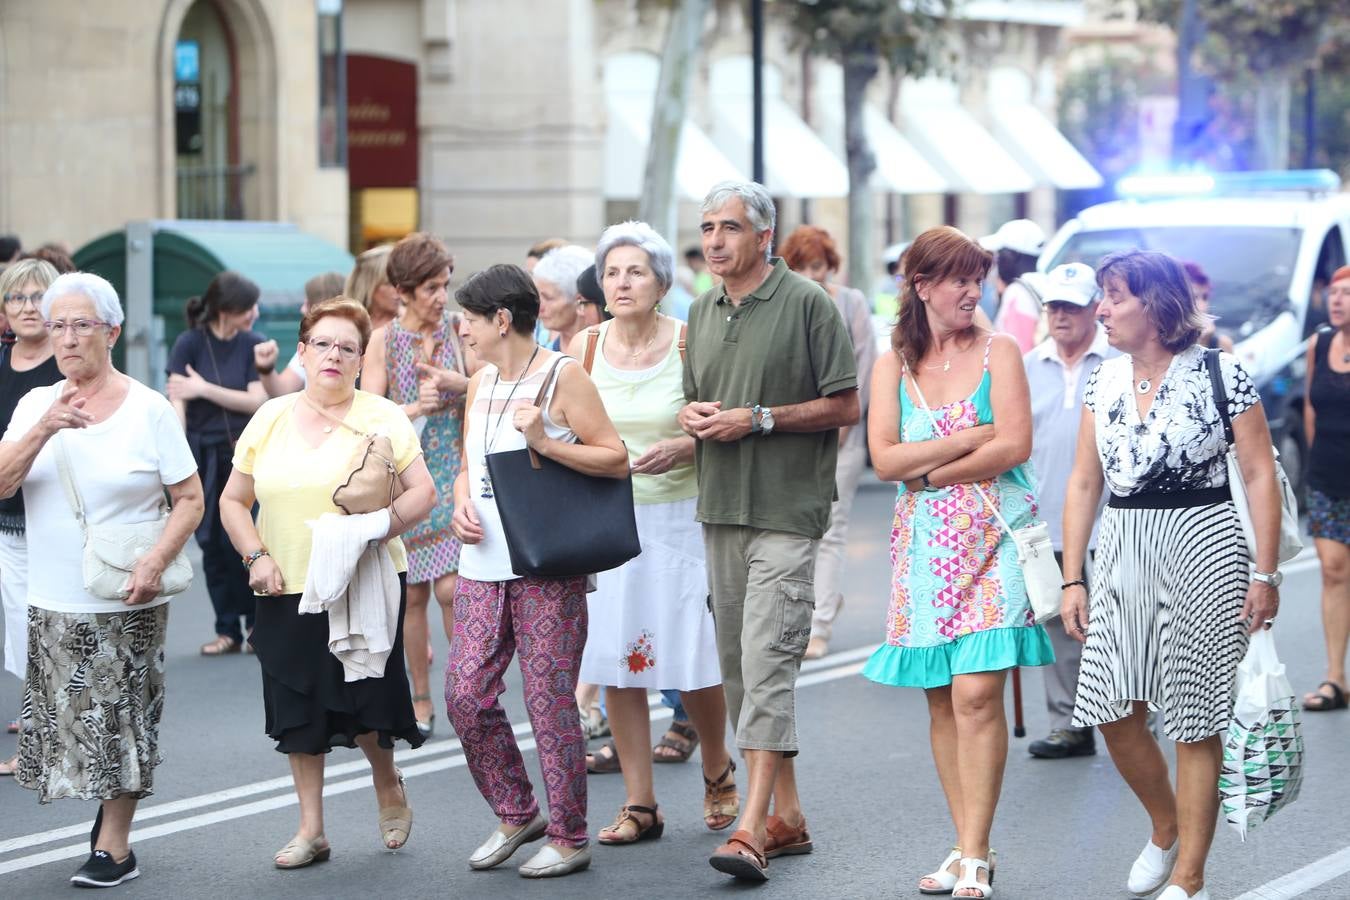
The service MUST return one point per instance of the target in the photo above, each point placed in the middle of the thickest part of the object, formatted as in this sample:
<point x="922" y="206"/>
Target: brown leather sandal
<point x="740" y="857"/>
<point x="680" y="741"/>
<point x="604" y="761"/>
<point x="784" y="840"/>
<point x="626" y="828"/>
<point x="721" y="803"/>
<point x="222" y="645"/>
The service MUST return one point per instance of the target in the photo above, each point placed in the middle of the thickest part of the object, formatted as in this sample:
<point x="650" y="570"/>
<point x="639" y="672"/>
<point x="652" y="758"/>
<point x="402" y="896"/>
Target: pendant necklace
<point x="946" y="364"/>
<point x="1146" y="384"/>
<point x="485" y="488"/>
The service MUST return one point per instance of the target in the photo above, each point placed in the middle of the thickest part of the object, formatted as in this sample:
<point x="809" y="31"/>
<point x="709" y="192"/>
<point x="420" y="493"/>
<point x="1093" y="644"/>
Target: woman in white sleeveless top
<point x="497" y="611"/>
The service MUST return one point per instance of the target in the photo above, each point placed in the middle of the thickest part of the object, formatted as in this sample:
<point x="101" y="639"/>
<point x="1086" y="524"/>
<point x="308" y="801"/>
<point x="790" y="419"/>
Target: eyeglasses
<point x="81" y="327"/>
<point x="321" y="346"/>
<point x="15" y="302"/>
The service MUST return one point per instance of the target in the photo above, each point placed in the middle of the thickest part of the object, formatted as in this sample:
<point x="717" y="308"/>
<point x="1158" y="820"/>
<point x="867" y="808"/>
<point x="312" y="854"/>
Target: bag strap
<point x="684" y="343"/>
<point x="1220" y="392"/>
<point x="224" y="415"/>
<point x="923" y="403"/>
<point x="539" y="402"/>
<point x="592" y="339"/>
<point x="68" y="483"/>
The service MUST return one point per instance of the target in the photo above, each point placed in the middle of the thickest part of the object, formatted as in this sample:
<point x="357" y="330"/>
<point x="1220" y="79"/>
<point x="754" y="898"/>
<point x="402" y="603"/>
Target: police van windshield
<point x="1249" y="267"/>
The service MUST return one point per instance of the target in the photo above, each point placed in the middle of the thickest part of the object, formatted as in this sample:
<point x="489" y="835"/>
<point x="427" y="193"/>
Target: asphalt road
<point x="223" y="802"/>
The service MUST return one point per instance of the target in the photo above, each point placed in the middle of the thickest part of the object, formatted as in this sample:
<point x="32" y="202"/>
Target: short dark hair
<point x="503" y="286"/>
<point x="55" y="255"/>
<point x="1159" y="281"/>
<point x="539" y="248"/>
<point x="691" y="253"/>
<point x="9" y="247"/>
<point x="1013" y="265"/>
<point x="417" y="258"/>
<point x="588" y="286"/>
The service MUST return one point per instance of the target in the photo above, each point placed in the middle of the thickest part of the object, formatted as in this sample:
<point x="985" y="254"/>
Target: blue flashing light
<point x="1198" y="184"/>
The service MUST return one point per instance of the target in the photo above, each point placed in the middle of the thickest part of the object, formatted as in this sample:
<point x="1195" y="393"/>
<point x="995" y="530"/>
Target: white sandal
<point x="946" y="881"/>
<point x="970" y="878"/>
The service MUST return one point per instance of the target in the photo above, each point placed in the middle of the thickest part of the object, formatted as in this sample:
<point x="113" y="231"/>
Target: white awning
<point x="901" y="169"/>
<point x="955" y="143"/>
<point x="1032" y="138"/>
<point x="630" y="88"/>
<point x="698" y="163"/>
<point x="796" y="162"/>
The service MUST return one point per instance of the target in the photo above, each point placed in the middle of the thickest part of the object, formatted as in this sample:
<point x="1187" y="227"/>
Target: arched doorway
<point x="219" y="135"/>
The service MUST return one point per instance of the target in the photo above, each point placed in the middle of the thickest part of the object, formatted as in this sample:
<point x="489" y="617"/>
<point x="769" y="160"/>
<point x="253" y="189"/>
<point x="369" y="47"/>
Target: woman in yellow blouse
<point x="289" y="459"/>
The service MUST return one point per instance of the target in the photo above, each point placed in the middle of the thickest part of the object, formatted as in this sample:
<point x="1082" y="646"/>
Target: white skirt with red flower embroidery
<point x="649" y="624"/>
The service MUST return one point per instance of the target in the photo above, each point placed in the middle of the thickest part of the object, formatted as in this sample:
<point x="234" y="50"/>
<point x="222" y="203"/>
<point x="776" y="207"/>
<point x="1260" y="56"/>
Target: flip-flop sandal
<point x="1324" y="703"/>
<point x="679" y="737"/>
<point x="604" y="761"/>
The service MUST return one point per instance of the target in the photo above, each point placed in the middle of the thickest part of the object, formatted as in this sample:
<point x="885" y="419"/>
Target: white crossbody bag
<point x="1035" y="552"/>
<point x="111" y="550"/>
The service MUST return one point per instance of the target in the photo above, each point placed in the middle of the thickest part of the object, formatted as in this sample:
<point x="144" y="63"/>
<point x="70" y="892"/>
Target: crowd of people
<point x="356" y="483"/>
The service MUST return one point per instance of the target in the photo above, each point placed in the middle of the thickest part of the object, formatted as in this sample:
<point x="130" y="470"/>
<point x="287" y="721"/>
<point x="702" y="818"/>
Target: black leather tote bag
<point x="559" y="522"/>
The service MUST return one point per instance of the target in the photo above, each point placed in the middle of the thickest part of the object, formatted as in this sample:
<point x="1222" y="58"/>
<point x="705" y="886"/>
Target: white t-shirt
<point x="121" y="466"/>
<point x="297" y="367"/>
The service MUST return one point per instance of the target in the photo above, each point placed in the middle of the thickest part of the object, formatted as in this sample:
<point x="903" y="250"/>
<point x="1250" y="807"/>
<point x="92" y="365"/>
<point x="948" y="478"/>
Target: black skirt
<point x="309" y="707"/>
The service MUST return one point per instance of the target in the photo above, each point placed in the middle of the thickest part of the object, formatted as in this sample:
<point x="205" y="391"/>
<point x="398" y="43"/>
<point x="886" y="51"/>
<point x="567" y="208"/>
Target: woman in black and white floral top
<point x="1173" y="594"/>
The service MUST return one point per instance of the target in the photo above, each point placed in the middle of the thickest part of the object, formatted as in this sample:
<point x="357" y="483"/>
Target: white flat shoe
<point x="946" y="881"/>
<point x="550" y="862"/>
<point x="970" y="872"/>
<point x="1177" y="892"/>
<point x="1152" y="868"/>
<point x="499" y="846"/>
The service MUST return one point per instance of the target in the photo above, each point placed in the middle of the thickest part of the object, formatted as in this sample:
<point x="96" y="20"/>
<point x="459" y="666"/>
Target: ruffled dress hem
<point x="991" y="650"/>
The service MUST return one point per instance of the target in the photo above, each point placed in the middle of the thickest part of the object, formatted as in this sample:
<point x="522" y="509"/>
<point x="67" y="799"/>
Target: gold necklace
<point x="636" y="353"/>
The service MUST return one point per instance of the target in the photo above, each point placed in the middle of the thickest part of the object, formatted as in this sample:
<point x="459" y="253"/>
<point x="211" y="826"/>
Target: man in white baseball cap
<point x="1016" y="246"/>
<point x="1057" y="373"/>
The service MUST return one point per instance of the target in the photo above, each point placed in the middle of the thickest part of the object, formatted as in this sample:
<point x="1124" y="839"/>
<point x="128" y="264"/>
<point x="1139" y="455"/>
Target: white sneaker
<point x="1152" y="869"/>
<point x="1177" y="892"/>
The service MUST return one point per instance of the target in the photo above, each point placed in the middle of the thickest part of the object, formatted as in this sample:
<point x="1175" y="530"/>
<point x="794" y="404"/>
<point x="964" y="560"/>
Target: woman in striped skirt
<point x="1174" y="595"/>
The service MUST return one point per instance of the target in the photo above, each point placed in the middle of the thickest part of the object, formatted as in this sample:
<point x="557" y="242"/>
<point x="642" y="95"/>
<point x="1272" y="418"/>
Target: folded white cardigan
<point x="352" y="578"/>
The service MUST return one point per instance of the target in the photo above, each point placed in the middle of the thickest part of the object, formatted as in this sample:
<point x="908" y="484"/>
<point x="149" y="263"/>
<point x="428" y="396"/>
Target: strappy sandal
<point x="680" y="739"/>
<point x="427" y="728"/>
<point x="720" y="800"/>
<point x="619" y="832"/>
<point x="604" y="761"/>
<point x="396" y="821"/>
<point x="942" y="876"/>
<point x="970" y="878"/>
<point x="740" y="857"/>
<point x="1320" y="702"/>
<point x="784" y="840"/>
<point x="300" y="853"/>
<point x="223" y="645"/>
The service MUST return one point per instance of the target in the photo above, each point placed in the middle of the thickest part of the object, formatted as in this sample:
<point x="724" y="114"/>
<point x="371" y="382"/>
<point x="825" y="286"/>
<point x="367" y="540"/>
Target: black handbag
<point x="561" y="523"/>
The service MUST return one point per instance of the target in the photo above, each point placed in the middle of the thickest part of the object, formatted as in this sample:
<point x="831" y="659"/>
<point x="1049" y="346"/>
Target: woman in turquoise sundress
<point x="951" y="419"/>
<point x="417" y="361"/>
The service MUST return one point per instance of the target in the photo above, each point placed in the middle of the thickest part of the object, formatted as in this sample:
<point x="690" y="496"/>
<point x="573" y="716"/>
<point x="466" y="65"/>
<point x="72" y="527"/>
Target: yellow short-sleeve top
<point x="294" y="481"/>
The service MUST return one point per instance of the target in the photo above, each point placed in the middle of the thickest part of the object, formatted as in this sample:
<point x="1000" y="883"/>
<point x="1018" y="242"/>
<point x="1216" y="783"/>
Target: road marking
<point x="830" y="668"/>
<point x="1299" y="882"/>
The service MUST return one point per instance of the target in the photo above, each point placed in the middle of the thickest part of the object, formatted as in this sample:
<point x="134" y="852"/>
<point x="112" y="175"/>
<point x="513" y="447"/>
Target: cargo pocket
<point x="794" y="601"/>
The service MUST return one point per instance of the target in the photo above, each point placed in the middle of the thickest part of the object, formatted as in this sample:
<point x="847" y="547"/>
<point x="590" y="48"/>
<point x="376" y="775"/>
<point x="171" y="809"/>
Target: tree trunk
<point x="1274" y="94"/>
<point x="659" y="207"/>
<point x="859" y="70"/>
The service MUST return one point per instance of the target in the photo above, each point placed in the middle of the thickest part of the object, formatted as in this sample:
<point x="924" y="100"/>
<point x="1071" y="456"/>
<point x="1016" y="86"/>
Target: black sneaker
<point x="101" y="871"/>
<point x="1064" y="742"/>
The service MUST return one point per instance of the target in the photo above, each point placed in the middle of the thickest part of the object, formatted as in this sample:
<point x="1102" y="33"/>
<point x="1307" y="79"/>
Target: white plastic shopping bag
<point x="1263" y="753"/>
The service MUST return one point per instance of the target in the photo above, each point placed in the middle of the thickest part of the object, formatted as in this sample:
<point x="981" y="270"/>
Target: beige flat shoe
<point x="300" y="853"/>
<point x="396" y="821"/>
<point x="9" y="767"/>
<point x="550" y="862"/>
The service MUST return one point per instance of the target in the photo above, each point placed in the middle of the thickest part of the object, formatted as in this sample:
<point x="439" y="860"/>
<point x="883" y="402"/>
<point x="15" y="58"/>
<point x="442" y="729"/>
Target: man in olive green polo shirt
<point x="769" y="376"/>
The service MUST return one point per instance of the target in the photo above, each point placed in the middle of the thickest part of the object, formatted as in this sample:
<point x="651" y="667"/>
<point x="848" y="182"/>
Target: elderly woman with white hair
<point x="650" y="624"/>
<point x="95" y="679"/>
<point x="560" y="302"/>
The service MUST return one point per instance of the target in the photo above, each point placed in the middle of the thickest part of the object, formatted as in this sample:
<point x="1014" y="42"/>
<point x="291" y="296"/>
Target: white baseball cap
<point x="1074" y="283"/>
<point x="1019" y="235"/>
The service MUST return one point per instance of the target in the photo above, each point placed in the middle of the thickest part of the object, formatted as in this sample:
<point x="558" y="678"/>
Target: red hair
<point x="342" y="308"/>
<point x="1342" y="272"/>
<point x="809" y="243"/>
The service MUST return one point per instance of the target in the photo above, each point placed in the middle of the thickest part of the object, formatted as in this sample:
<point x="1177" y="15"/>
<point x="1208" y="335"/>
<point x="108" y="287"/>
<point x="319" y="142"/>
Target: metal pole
<point x="757" y="38"/>
<point x="1309" y="118"/>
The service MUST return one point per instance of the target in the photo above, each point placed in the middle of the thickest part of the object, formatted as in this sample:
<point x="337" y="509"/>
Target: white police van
<point x="1269" y="242"/>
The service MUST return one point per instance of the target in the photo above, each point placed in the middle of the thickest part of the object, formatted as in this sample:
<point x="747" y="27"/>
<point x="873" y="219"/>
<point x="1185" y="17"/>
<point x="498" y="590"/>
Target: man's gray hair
<point x="562" y="266"/>
<point x="759" y="208"/>
<point x="644" y="237"/>
<point x="90" y="286"/>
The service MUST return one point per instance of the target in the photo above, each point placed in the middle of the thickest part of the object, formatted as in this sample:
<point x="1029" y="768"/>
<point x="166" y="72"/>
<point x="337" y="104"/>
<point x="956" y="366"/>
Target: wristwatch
<point x="1274" y="579"/>
<point x="761" y="420"/>
<point x="927" y="486"/>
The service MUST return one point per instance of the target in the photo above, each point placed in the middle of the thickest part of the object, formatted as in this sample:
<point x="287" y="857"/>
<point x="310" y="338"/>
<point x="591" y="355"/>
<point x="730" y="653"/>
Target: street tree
<point x="862" y="36"/>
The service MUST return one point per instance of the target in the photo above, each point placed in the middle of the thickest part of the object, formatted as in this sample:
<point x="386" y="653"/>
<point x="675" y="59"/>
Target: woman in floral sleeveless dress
<point x="959" y="616"/>
<point x="418" y="361"/>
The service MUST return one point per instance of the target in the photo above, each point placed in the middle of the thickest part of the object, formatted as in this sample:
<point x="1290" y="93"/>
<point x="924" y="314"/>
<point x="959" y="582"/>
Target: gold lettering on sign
<point x="374" y="138"/>
<point x="368" y="111"/>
